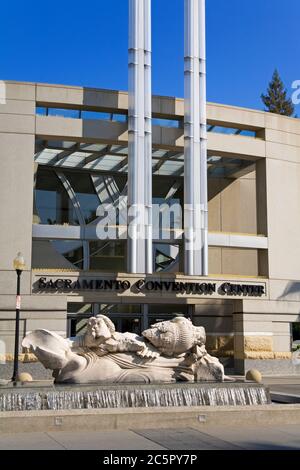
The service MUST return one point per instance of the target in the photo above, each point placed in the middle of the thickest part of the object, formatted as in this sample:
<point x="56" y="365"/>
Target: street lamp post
<point x="19" y="266"/>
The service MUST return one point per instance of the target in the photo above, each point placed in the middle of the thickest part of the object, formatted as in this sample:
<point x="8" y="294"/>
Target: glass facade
<point x="51" y="198"/>
<point x="74" y="180"/>
<point x="108" y="255"/>
<point x="126" y="317"/>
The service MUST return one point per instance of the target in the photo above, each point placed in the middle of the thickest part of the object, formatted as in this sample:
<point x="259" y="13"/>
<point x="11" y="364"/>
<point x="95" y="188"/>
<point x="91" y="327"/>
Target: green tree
<point x="276" y="99"/>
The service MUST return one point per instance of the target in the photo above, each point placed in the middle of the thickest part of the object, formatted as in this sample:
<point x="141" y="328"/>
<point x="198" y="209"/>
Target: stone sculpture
<point x="169" y="351"/>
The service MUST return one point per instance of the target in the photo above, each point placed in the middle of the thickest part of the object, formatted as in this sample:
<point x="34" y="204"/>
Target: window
<point x="88" y="200"/>
<point x="52" y="201"/>
<point x="108" y="255"/>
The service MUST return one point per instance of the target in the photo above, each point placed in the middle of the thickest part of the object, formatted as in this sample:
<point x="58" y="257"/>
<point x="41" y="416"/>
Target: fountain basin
<point x="75" y="397"/>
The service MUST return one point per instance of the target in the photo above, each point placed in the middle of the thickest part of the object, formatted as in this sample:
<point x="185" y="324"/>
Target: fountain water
<point x="133" y="396"/>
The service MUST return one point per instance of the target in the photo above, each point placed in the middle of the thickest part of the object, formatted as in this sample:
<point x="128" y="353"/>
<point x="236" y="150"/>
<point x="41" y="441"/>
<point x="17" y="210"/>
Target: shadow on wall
<point x="291" y="292"/>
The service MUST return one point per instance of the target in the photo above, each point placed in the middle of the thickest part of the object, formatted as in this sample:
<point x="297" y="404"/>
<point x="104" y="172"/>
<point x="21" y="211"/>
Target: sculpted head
<point x="175" y="337"/>
<point x="100" y="328"/>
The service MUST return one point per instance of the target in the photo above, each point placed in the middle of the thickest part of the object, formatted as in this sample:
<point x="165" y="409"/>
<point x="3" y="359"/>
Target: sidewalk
<point x="214" y="438"/>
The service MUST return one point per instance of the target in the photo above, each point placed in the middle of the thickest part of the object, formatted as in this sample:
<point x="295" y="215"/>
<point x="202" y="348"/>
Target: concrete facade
<point x="252" y="219"/>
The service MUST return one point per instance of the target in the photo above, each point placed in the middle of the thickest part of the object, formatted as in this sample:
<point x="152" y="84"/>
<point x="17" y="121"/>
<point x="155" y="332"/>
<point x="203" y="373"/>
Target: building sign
<point x="152" y="286"/>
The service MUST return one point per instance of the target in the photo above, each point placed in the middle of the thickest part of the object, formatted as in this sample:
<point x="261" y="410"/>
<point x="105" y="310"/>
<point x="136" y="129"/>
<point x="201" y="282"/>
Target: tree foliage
<point x="276" y="100"/>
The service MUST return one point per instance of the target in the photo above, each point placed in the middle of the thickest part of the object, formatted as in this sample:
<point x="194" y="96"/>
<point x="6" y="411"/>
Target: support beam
<point x="195" y="144"/>
<point x="140" y="259"/>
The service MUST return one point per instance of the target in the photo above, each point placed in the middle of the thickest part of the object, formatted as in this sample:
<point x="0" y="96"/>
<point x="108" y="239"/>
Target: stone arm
<point x="117" y="343"/>
<point x="127" y="342"/>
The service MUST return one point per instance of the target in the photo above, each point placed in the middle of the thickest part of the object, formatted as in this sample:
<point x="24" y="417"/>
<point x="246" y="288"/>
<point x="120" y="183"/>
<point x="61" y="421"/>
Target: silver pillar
<point x="140" y="139"/>
<point x="195" y="146"/>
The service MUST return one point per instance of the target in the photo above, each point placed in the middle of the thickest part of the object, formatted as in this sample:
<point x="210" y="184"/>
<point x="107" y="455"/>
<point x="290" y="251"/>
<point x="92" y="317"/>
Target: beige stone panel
<point x="17" y="124"/>
<point x="236" y="145"/>
<point x="258" y="343"/>
<point x="282" y="309"/>
<point x="20" y="91"/>
<point x="25" y="315"/>
<point x="56" y="94"/>
<point x="213" y="324"/>
<point x="91" y="98"/>
<point x="7" y="330"/>
<point x="286" y="138"/>
<point x="7" y="325"/>
<point x="166" y="106"/>
<point x="215" y="260"/>
<point x="54" y="126"/>
<point x="215" y="187"/>
<point x="105" y="131"/>
<point x="156" y="106"/>
<point x="31" y="303"/>
<point x="238" y="207"/>
<point x="16" y="196"/>
<point x="258" y="323"/>
<point x="263" y="263"/>
<point x="170" y="137"/>
<point x="282" y="123"/>
<point x="288" y="153"/>
<point x="240" y="262"/>
<point x="261" y="199"/>
<point x="214" y="219"/>
<point x="7" y="333"/>
<point x="105" y="99"/>
<point x="8" y="281"/>
<point x="214" y="312"/>
<point x="18" y="107"/>
<point x="285" y="290"/>
<point x="282" y="328"/>
<point x="283" y="189"/>
<point x="51" y="324"/>
<point x="282" y="343"/>
<point x="93" y="130"/>
<point x="179" y="107"/>
<point x="231" y="115"/>
<point x="249" y="176"/>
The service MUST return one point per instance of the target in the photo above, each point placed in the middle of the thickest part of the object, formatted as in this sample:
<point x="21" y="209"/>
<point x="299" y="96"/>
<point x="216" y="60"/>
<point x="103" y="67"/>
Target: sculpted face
<point x="162" y="336"/>
<point x="100" y="328"/>
<point x="174" y="337"/>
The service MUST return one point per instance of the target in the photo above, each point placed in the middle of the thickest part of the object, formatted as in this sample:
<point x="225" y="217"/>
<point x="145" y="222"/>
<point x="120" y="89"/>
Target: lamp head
<point x="19" y="263"/>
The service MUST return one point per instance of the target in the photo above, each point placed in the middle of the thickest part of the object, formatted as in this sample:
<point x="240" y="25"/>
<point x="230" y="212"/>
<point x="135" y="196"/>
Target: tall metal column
<point x="139" y="240"/>
<point x="195" y="146"/>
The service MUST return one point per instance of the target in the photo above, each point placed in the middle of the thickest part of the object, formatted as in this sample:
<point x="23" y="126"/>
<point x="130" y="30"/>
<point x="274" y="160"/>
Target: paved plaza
<point x="285" y="437"/>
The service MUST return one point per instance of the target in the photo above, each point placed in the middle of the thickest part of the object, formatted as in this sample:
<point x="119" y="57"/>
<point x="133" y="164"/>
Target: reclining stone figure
<point x="169" y="351"/>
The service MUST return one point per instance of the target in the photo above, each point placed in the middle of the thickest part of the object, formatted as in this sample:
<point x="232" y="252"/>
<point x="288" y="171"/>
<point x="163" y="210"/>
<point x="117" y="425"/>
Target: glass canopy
<point x="114" y="159"/>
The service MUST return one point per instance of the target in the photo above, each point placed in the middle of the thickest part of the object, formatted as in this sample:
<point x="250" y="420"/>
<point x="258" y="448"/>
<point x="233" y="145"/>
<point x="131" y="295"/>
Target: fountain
<point x="168" y="366"/>
<point x="106" y="396"/>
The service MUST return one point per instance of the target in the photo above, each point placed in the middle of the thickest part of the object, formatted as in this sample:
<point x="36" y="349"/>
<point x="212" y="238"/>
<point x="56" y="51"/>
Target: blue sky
<point x="85" y="43"/>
